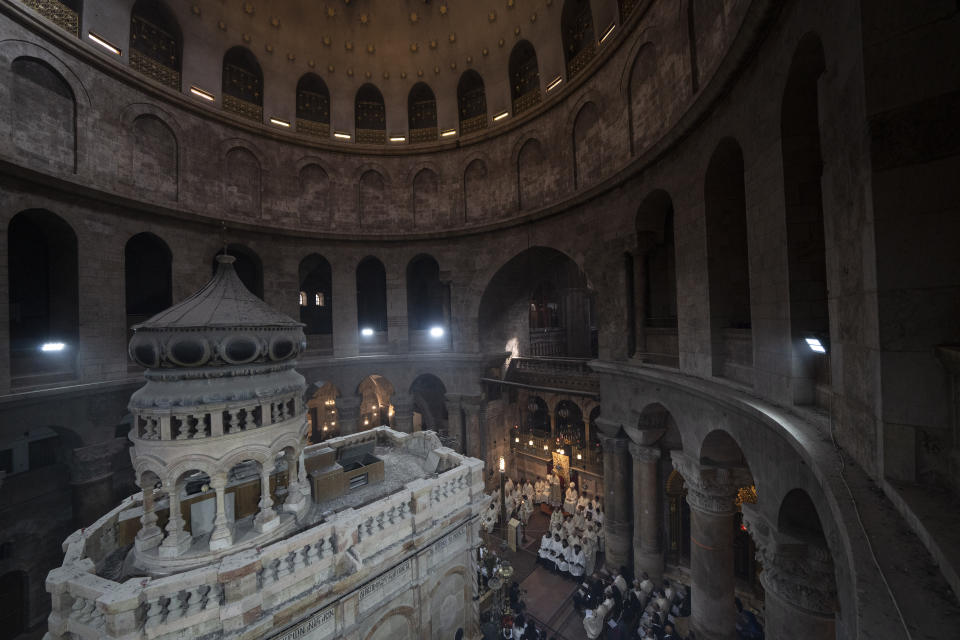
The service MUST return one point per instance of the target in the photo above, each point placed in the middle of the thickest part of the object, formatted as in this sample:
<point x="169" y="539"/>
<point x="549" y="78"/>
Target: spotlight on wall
<point x="436" y="332"/>
<point x="49" y="347"/>
<point x="554" y="83"/>
<point x="398" y="138"/>
<point x="516" y="439"/>
<point x="366" y="332"/>
<point x="530" y="443"/>
<point x="446" y="133"/>
<point x="200" y="93"/>
<point x="103" y="43"/>
<point x="280" y="123"/>
<point x="500" y="116"/>
<point x="816" y="346"/>
<point x="340" y="135"/>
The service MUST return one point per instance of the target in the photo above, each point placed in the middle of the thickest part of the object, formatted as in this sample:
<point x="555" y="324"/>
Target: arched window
<point x="303" y="298"/>
<point x="524" y="77"/>
<point x="422" y="114"/>
<point x="728" y="273"/>
<point x="371" y="116"/>
<point x="372" y="301"/>
<point x="428" y="303"/>
<point x="66" y="14"/>
<point x="156" y="44"/>
<point x="313" y="106"/>
<point x="44" y="297"/>
<point x="148" y="279"/>
<point x="248" y="266"/>
<point x="579" y="43"/>
<point x="316" y="285"/>
<point x="242" y="84"/>
<point x="471" y="102"/>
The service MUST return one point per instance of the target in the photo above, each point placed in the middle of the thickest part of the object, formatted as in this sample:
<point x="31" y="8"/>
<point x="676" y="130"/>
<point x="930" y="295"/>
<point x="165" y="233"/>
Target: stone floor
<point x="548" y="596"/>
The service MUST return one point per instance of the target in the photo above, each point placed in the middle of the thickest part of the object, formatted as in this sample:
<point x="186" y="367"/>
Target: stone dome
<point x="223" y="324"/>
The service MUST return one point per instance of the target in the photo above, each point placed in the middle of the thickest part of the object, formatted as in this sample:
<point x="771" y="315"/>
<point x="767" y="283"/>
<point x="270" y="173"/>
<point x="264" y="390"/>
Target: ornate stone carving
<point x="644" y="454"/>
<point x="800" y="572"/>
<point x="710" y="489"/>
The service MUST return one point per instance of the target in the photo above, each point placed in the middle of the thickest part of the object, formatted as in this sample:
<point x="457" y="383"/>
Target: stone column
<point x="710" y="493"/>
<point x="266" y="519"/>
<point x="798" y="581"/>
<point x="617" y="518"/>
<point x="177" y="541"/>
<point x="398" y="332"/>
<point x="454" y="423"/>
<point x="348" y="414"/>
<point x="647" y="554"/>
<point x="297" y="487"/>
<point x="222" y="535"/>
<point x="150" y="534"/>
<point x="576" y="312"/>
<point x="402" y="412"/>
<point x="474" y="445"/>
<point x="344" y="312"/>
<point x="91" y="480"/>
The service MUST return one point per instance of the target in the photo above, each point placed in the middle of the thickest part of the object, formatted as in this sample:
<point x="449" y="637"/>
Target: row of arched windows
<point x="44" y="294"/>
<point x="156" y="50"/>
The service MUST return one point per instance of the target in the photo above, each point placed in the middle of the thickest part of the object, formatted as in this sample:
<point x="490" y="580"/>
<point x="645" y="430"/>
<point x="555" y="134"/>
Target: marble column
<point x="177" y="540"/>
<point x="710" y="493"/>
<point x="297" y="487"/>
<point x="150" y="534"/>
<point x="266" y="519"/>
<point x="402" y="412"/>
<point x="617" y="520"/>
<point x="348" y="414"/>
<point x="800" y="598"/>
<point x="455" y="421"/>
<point x="346" y="335"/>
<point x="647" y="554"/>
<point x="472" y="409"/>
<point x="222" y="535"/>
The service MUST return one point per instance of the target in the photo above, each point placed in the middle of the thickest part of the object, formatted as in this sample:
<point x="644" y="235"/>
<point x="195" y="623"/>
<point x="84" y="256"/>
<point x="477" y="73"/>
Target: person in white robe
<point x="579" y="521"/>
<point x="490" y="516"/>
<point x="525" y="510"/>
<point x="570" y="499"/>
<point x="545" y="553"/>
<point x="646" y="584"/>
<point x="594" y="621"/>
<point x="575" y="560"/>
<point x="598" y="512"/>
<point x="556" y="519"/>
<point x="583" y="501"/>
<point x="508" y="486"/>
<point x="541" y="491"/>
<point x="556" y="551"/>
<point x="562" y="564"/>
<point x="527" y="489"/>
<point x="620" y="583"/>
<point x="600" y="536"/>
<point x="589" y="550"/>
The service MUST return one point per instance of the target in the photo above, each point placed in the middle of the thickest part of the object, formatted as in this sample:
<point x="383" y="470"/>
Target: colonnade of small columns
<point x="797" y="577"/>
<point x="174" y="541"/>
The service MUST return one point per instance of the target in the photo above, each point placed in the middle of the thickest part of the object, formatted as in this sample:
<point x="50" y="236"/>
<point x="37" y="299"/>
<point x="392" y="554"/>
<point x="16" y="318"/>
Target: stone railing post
<point x="402" y="412"/>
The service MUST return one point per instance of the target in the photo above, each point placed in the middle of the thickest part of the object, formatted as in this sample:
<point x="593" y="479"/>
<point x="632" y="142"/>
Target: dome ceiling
<point x="378" y="39"/>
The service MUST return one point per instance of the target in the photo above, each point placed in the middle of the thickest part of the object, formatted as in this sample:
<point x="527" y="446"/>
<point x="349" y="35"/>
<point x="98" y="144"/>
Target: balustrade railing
<point x="57" y="13"/>
<point x="88" y="606"/>
<point x="185" y="424"/>
<point x="242" y="107"/>
<point x="566" y="373"/>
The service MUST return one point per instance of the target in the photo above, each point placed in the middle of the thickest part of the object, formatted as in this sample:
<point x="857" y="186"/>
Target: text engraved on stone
<point x="319" y="625"/>
<point x="447" y="545"/>
<point x="371" y="593"/>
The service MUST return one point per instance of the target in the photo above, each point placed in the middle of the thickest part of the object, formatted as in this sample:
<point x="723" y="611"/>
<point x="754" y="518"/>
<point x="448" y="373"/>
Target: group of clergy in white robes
<point x="518" y="500"/>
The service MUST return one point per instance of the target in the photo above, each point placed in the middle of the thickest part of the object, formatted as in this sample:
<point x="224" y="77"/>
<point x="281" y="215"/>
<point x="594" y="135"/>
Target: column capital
<point x="710" y="489"/>
<point x="608" y="427"/>
<point x="613" y="444"/>
<point x="641" y="453"/>
<point x="800" y="572"/>
<point x="471" y="404"/>
<point x="219" y="480"/>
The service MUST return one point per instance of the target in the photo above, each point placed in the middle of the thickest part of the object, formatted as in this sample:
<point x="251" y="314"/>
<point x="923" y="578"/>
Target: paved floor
<point x="548" y="596"/>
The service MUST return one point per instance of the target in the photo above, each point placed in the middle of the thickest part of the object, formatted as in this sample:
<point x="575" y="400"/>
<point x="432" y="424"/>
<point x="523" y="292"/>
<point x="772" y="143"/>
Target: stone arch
<point x="315" y="279"/>
<point x="587" y="145"/>
<point x="148" y="277"/>
<point x="40" y="93"/>
<point x="259" y="453"/>
<point x="192" y="462"/>
<point x="448" y="598"/>
<point x="653" y="303"/>
<point x="241" y="183"/>
<point x="531" y="189"/>
<point x="428" y="393"/>
<point x="314" y="198"/>
<point x="427" y="207"/>
<point x="644" y="100"/>
<point x="728" y="265"/>
<point x="371" y="277"/>
<point x="397" y="624"/>
<point x="156" y="42"/>
<point x="372" y="198"/>
<point x="476" y="198"/>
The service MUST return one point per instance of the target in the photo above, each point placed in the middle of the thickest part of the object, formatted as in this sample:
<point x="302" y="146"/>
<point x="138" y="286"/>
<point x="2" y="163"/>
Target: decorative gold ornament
<point x="246" y="38"/>
<point x="367" y="75"/>
<point x="469" y="59"/>
<point x="364" y="18"/>
<point x="516" y="31"/>
<point x="492" y="16"/>
<point x="500" y="42"/>
<point x="248" y="8"/>
<point x="433" y="44"/>
<point x="510" y="3"/>
<point x="311" y="63"/>
<point x="386" y="75"/>
<point x="222" y="25"/>
<point x="348" y="45"/>
<point x="350" y="71"/>
<point x="533" y="17"/>
<point x="331" y="12"/>
<point x="414" y="47"/>
<point x="268" y="48"/>
<point x="419" y="73"/>
<point x="195" y="9"/>
<point x="291" y="57"/>
<point x="485" y="52"/>
<point x="275" y="22"/>
<point x="443" y="9"/>
<point x="371" y="48"/>
<point x="330" y="68"/>
<point x="414" y="18"/>
<point x="326" y="41"/>
<point x="436" y="68"/>
<point x="453" y="37"/>
<point x="403" y="75"/>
